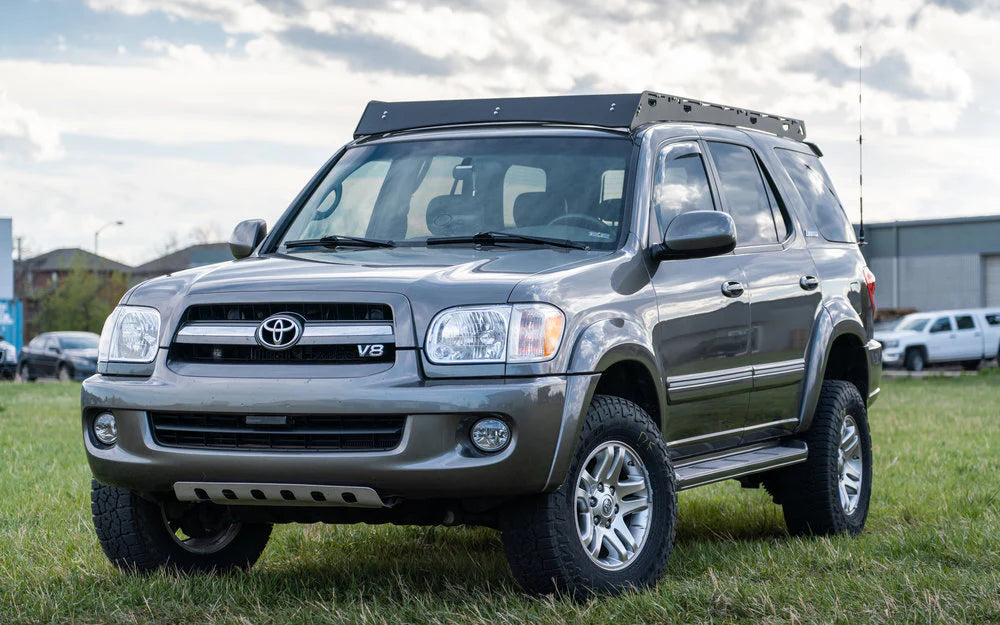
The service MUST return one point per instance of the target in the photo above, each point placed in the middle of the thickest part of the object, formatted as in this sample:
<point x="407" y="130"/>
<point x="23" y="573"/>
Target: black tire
<point x="810" y="492"/>
<point x="971" y="365"/>
<point x="24" y="373"/>
<point x="540" y="533"/>
<point x="915" y="359"/>
<point x="135" y="536"/>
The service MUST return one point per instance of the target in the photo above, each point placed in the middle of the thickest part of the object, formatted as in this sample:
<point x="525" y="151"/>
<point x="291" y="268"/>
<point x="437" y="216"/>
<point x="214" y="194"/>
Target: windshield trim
<point x="273" y="241"/>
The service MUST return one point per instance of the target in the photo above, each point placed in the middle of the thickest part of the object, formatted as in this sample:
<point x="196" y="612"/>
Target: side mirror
<point x="247" y="235"/>
<point x="697" y="234"/>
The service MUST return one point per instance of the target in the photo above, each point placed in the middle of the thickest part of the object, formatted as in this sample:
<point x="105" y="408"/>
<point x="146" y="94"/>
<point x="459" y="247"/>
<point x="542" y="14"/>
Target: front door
<point x="702" y="334"/>
<point x="785" y="291"/>
<point x="940" y="339"/>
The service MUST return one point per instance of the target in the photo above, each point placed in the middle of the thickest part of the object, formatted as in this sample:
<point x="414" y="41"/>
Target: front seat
<point x="538" y="208"/>
<point x="449" y="215"/>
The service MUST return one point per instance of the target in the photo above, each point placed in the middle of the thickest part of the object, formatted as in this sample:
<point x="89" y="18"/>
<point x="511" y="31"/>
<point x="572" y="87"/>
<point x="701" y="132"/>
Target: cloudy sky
<point x="182" y="117"/>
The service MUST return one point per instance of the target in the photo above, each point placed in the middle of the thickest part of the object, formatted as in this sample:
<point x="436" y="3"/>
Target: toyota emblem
<point x="279" y="331"/>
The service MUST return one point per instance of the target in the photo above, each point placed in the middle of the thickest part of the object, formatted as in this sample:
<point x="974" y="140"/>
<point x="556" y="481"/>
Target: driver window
<point x="681" y="184"/>
<point x="943" y="324"/>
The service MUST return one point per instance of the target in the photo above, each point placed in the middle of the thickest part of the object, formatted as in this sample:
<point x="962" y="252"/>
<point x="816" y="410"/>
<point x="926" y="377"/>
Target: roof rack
<point x="621" y="110"/>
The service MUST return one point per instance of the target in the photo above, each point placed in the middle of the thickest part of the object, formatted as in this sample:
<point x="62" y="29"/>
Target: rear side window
<point x="816" y="191"/>
<point x="943" y="324"/>
<point x="993" y="319"/>
<point x="965" y="322"/>
<point x="747" y="199"/>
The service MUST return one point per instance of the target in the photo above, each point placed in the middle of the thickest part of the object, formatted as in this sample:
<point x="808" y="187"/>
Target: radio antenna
<point x="861" y="168"/>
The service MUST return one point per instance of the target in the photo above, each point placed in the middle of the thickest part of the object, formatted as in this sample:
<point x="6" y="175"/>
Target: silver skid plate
<point x="264" y="494"/>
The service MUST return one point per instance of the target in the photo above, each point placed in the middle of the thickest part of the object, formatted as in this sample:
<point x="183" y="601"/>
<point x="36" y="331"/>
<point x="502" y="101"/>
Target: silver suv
<point x="541" y="315"/>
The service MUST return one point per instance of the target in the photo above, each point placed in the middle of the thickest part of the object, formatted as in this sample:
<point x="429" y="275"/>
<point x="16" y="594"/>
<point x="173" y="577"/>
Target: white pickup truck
<point x="964" y="336"/>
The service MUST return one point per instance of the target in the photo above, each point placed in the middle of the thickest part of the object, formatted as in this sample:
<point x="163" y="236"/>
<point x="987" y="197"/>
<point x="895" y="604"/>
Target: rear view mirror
<point x="697" y="234"/>
<point x="247" y="235"/>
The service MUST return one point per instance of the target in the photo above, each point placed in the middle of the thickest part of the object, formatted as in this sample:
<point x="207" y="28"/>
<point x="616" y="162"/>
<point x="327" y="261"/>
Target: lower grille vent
<point x="293" y="432"/>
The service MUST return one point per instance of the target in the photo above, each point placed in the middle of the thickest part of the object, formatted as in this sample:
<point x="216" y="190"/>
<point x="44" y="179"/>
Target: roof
<point x="621" y="110"/>
<point x="193" y="256"/>
<point x="68" y="258"/>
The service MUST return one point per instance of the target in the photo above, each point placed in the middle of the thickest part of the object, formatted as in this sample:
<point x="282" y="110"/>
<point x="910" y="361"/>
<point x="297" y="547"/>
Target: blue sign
<point x="10" y="322"/>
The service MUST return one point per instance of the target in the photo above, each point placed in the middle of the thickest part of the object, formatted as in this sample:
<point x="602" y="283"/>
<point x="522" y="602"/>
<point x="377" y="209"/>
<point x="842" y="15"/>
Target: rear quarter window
<point x="993" y="319"/>
<point x="816" y="190"/>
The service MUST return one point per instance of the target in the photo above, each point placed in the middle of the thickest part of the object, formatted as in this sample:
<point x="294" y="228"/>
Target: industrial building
<point x="935" y="264"/>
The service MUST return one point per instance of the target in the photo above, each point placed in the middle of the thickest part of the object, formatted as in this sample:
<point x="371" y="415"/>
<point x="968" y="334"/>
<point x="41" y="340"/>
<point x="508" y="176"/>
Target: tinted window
<point x="993" y="319"/>
<point x="816" y="191"/>
<point x="681" y="184"/>
<point x="965" y="322"/>
<point x="79" y="342"/>
<point x="745" y="194"/>
<point x="943" y="324"/>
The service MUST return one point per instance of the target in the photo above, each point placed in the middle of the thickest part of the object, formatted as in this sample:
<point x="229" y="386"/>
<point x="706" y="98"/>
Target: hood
<point x="894" y="335"/>
<point x="87" y="354"/>
<point x="430" y="278"/>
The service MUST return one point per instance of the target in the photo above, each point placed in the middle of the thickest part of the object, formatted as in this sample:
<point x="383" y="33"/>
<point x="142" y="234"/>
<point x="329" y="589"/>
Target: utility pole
<point x="98" y="232"/>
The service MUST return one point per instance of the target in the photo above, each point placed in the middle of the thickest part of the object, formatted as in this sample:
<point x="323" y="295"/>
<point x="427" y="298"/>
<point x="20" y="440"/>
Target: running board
<point x="738" y="462"/>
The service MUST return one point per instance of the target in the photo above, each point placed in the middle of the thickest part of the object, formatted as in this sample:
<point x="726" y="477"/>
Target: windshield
<point x="566" y="188"/>
<point x="79" y="342"/>
<point x="913" y="324"/>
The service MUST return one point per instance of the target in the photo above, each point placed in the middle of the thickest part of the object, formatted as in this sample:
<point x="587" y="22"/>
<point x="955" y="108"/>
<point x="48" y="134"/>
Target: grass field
<point x="930" y="554"/>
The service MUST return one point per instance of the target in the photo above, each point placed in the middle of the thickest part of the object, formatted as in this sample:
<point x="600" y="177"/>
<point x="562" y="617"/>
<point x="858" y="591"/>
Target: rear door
<point x="785" y="292"/>
<point x="701" y="336"/>
<point x="969" y="341"/>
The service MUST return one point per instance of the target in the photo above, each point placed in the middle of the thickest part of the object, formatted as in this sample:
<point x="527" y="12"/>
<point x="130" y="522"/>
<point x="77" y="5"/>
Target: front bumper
<point x="432" y="460"/>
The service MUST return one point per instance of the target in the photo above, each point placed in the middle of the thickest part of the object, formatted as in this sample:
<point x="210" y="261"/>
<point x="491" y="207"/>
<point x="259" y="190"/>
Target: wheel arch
<point x="836" y="351"/>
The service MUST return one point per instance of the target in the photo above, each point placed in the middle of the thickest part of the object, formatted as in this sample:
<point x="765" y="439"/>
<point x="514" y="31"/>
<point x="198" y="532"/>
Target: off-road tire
<point x="914" y="360"/>
<point x="809" y="492"/>
<point x="540" y="533"/>
<point x="135" y="537"/>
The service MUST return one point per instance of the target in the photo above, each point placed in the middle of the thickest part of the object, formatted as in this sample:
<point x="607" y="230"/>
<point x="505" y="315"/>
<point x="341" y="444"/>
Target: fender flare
<point x="599" y="346"/>
<point x="835" y="319"/>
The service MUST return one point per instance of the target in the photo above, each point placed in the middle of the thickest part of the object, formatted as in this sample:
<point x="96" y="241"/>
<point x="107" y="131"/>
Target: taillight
<point x="870" y="283"/>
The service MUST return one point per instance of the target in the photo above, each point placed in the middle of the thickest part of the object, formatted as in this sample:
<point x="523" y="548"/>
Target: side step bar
<point x="738" y="462"/>
<point x="264" y="494"/>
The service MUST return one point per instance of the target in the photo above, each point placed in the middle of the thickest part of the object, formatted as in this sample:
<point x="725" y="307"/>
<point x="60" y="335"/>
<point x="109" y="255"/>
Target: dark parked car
<point x="63" y="355"/>
<point x="542" y="315"/>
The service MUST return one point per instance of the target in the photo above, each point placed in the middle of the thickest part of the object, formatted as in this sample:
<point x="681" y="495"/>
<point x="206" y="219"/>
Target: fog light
<point x="490" y="435"/>
<point x="106" y="429"/>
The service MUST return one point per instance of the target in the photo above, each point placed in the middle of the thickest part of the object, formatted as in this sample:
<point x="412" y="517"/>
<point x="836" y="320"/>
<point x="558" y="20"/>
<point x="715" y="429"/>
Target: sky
<point x="182" y="117"/>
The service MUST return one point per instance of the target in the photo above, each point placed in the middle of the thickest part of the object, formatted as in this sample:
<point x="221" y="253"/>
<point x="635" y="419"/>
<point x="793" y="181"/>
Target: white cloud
<point x="24" y="134"/>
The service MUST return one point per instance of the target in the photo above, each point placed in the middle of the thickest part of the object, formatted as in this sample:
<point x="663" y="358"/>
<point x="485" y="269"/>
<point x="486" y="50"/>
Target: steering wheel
<point x="587" y="221"/>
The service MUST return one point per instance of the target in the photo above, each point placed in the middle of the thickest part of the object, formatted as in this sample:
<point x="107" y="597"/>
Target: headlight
<point x="131" y="334"/>
<point x="485" y="334"/>
<point x="890" y="343"/>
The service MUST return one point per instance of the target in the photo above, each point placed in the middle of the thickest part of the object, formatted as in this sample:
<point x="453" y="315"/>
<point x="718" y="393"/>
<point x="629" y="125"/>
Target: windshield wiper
<point x="337" y="240"/>
<point x="493" y="237"/>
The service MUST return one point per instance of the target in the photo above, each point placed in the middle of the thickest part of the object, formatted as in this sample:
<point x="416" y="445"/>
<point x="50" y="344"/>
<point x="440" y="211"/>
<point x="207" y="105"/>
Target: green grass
<point x="930" y="553"/>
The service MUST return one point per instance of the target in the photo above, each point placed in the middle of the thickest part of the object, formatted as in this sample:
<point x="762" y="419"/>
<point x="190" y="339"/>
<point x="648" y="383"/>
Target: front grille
<point x="300" y="433"/>
<point x="315" y="311"/>
<point x="300" y="354"/>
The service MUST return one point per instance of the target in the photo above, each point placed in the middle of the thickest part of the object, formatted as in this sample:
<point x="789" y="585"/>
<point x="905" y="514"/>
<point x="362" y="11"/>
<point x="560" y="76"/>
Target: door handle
<point x="808" y="282"/>
<point x="732" y="289"/>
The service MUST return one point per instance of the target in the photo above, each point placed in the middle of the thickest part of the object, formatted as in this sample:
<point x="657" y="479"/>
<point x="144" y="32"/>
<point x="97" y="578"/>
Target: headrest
<point x="537" y="208"/>
<point x="454" y="214"/>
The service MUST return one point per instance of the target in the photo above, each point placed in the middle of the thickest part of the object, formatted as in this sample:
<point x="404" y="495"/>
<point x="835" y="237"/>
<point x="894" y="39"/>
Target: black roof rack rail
<point x="621" y="110"/>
